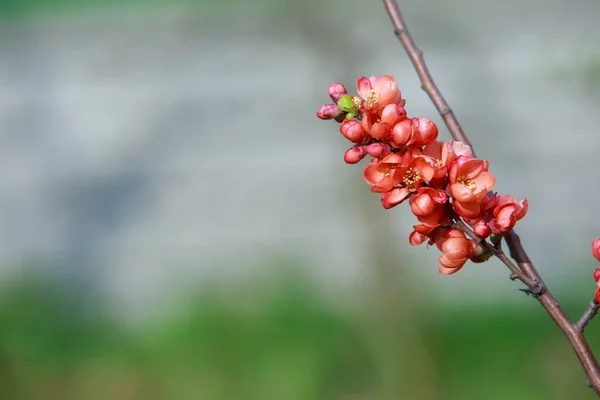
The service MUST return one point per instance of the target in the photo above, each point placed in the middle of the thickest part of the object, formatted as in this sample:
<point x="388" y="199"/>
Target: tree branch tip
<point x="589" y="313"/>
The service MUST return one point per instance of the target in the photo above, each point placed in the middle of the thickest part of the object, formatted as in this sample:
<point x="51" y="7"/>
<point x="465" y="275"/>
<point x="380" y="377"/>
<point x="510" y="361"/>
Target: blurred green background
<point x="176" y="224"/>
<point x="282" y="338"/>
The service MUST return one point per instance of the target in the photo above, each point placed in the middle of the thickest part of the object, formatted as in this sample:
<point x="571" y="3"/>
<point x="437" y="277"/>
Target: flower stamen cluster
<point x="442" y="181"/>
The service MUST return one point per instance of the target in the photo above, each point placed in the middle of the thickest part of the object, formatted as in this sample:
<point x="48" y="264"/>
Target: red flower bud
<point x="352" y="130"/>
<point x="336" y="91"/>
<point x="377" y="149"/>
<point x="422" y="204"/>
<point x="329" y="111"/>
<point x="597" y="274"/>
<point x="482" y="229"/>
<point x="425" y="131"/>
<point x="402" y="133"/>
<point x="596" y="248"/>
<point x="416" y="238"/>
<point x="354" y="154"/>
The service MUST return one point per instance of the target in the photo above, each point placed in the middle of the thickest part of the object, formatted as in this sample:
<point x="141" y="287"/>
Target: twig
<point x="590" y="312"/>
<point x="573" y="332"/>
<point x="427" y="83"/>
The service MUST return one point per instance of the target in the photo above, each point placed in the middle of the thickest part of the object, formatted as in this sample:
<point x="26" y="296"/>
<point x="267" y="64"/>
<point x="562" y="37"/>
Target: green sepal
<point x="346" y="104"/>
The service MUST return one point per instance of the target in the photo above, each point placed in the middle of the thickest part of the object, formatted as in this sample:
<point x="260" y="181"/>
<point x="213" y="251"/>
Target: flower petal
<point x="363" y="86"/>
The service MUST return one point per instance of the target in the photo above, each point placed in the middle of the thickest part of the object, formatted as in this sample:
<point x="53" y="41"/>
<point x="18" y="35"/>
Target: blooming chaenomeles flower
<point x="441" y="181"/>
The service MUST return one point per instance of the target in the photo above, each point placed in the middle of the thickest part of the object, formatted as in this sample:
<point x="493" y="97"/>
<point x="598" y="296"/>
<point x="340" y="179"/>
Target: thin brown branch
<point x="576" y="339"/>
<point x="427" y="83"/>
<point x="573" y="332"/>
<point x="589" y="313"/>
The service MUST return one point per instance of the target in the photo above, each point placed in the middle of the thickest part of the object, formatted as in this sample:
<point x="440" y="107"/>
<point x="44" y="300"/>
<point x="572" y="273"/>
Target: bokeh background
<point x="176" y="223"/>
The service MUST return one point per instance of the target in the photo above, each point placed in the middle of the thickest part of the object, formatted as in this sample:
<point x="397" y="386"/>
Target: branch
<point x="590" y="312"/>
<point x="573" y="332"/>
<point x="427" y="83"/>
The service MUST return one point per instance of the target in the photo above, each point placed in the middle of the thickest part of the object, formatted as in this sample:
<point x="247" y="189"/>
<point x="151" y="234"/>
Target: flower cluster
<point x="596" y="253"/>
<point x="442" y="181"/>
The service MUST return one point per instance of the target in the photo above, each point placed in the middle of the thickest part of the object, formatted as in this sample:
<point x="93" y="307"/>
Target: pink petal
<point x="363" y="86"/>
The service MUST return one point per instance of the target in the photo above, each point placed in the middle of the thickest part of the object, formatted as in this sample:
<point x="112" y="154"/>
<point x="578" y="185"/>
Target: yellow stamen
<point x="466" y="182"/>
<point x="389" y="168"/>
<point x="411" y="177"/>
<point x="373" y="97"/>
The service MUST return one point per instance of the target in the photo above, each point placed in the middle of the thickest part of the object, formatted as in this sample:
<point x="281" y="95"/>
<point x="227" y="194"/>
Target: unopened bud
<point x="354" y="154"/>
<point x="336" y="91"/>
<point x="402" y="133"/>
<point x="425" y="131"/>
<point x="329" y="111"/>
<point x="596" y="248"/>
<point x="482" y="229"/>
<point x="377" y="149"/>
<point x="352" y="130"/>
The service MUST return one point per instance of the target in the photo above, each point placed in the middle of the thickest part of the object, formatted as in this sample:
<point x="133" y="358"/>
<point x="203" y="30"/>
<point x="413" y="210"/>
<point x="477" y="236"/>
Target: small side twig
<point x="573" y="332"/>
<point x="589" y="313"/>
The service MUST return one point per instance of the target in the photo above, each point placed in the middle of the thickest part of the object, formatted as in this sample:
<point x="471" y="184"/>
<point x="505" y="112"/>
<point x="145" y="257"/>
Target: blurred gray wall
<point x="146" y="150"/>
